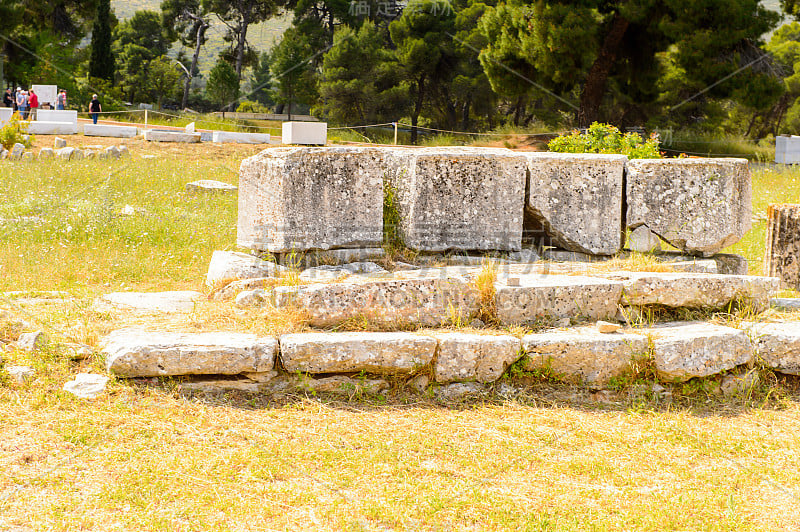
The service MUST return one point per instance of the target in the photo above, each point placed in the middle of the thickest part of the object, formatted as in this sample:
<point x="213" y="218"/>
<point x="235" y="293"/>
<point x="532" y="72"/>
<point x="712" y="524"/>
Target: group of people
<point x="26" y="103"/>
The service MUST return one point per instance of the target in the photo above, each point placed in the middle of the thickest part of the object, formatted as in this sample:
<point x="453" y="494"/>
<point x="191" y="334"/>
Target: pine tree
<point x="102" y="61"/>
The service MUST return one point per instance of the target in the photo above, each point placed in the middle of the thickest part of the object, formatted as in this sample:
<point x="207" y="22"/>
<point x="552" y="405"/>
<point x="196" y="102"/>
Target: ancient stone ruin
<point x="339" y="205"/>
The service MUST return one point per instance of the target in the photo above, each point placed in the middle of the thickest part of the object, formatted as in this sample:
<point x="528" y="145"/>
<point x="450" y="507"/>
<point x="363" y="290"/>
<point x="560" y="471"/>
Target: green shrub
<point x="13" y="132"/>
<point x="605" y="138"/>
<point x="246" y="106"/>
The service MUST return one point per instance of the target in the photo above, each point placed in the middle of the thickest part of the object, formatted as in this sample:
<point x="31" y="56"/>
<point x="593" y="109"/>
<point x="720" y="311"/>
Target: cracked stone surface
<point x="479" y="357"/>
<point x="700" y="206"/>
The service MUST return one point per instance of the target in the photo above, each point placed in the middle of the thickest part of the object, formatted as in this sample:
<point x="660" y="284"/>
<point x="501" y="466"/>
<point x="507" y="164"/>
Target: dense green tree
<point x="361" y="79"/>
<point x="238" y="16"/>
<point x="101" y="64"/>
<point x="293" y="70"/>
<point x="188" y="21"/>
<point x="144" y="29"/>
<point x="163" y="78"/>
<point x="607" y="51"/>
<point x="138" y="41"/>
<point x="426" y="51"/>
<point x="223" y="85"/>
<point x="261" y="82"/>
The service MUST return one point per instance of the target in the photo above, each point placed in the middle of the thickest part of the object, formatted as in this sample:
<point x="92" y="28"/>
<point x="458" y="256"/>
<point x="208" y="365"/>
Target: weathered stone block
<point x="310" y="133"/>
<point x="382" y="353"/>
<point x="57" y="115"/>
<point x="106" y="130"/>
<point x="37" y="127"/>
<point x="479" y="357"/>
<point x="240" y="138"/>
<point x="140" y="353"/>
<point x="209" y="186"/>
<point x="782" y="254"/>
<point x="777" y="345"/>
<point x="311" y="198"/>
<point x="153" y="135"/>
<point x="556" y="296"/>
<point x="685" y="350"/>
<point x="414" y="301"/>
<point x="584" y="354"/>
<point x="577" y="199"/>
<point x="696" y="290"/>
<point x="459" y="198"/>
<point x="698" y="205"/>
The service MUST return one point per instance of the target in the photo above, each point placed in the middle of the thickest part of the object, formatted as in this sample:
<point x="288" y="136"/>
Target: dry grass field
<point x="534" y="454"/>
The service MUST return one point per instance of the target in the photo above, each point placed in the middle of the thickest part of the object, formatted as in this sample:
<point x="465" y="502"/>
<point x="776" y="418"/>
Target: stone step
<point x="438" y="297"/>
<point x="675" y="351"/>
<point x="142" y="353"/>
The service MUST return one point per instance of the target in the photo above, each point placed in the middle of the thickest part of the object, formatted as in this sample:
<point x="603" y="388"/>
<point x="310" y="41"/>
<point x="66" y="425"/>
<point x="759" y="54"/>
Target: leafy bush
<point x="246" y="106"/>
<point x="605" y="138"/>
<point x="15" y="131"/>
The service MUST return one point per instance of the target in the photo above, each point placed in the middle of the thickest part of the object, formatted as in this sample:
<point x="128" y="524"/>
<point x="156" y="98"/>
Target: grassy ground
<point x="147" y="456"/>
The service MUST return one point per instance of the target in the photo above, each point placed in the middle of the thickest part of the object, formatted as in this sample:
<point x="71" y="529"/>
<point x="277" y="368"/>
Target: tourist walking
<point x="22" y="103"/>
<point x="61" y="100"/>
<point x="8" y="99"/>
<point x="33" y="104"/>
<point x="94" y="108"/>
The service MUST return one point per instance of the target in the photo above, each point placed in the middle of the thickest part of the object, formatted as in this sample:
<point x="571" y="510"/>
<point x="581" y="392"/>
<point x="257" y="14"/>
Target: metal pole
<point x="145" y="119"/>
<point x="395" y="133"/>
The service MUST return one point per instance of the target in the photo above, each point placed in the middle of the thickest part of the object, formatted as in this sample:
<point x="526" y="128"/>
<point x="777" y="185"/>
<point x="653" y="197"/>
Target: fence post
<point x="145" y="119"/>
<point x="395" y="132"/>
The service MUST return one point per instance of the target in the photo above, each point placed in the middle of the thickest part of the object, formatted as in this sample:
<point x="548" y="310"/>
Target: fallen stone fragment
<point x="163" y="302"/>
<point x="251" y="298"/>
<point x="141" y="353"/>
<point x="86" y="385"/>
<point x="577" y="199"/>
<point x="777" y="345"/>
<point x="739" y="384"/>
<point x="123" y="151"/>
<point x="296" y="199"/>
<point x="644" y="240"/>
<point x="58" y="142"/>
<point x="77" y="155"/>
<point x="419" y="383"/>
<point x="210" y="186"/>
<point x="607" y="327"/>
<point x="222" y="386"/>
<point x="21" y="374"/>
<point x="458" y="391"/>
<point x="226" y="266"/>
<point x="232" y="289"/>
<point x="700" y="206"/>
<point x="32" y="341"/>
<point x="65" y="153"/>
<point x="391" y="302"/>
<point x="112" y="152"/>
<point x="483" y="358"/>
<point x="683" y="350"/>
<point x="556" y="296"/>
<point x="339" y="384"/>
<point x="16" y="151"/>
<point x="696" y="290"/>
<point x="350" y="352"/>
<point x="583" y="354"/>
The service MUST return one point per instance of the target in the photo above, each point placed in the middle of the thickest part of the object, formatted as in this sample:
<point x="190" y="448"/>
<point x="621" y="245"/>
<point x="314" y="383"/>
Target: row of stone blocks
<point x="298" y="199"/>
<point x="444" y="297"/>
<point x="679" y="351"/>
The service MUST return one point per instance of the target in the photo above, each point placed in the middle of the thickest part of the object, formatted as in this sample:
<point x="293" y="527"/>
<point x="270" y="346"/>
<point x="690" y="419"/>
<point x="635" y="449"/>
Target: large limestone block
<point x="696" y="290"/>
<point x="5" y="115"/>
<point x="782" y="254"/>
<point x="459" y="198"/>
<point x="556" y="296"/>
<point x="107" y="130"/>
<point x="577" y="198"/>
<point x="584" y="354"/>
<point x="350" y="352"/>
<point x="240" y="138"/>
<point x="154" y="135"/>
<point x="428" y="302"/>
<point x="311" y="198"/>
<point x="479" y="357"/>
<point x="777" y="345"/>
<point x="698" y="205"/>
<point x="142" y="353"/>
<point x="57" y="115"/>
<point x="227" y="266"/>
<point x="304" y="133"/>
<point x="684" y="350"/>
<point x="37" y="127"/>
